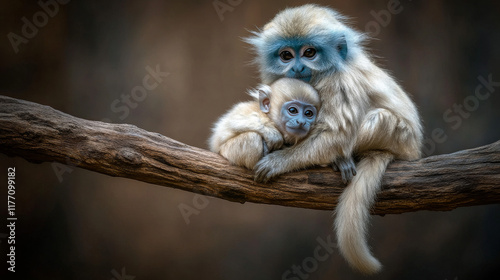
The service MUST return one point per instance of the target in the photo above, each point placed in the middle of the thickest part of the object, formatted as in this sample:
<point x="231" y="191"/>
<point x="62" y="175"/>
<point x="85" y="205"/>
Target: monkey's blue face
<point x="297" y="117"/>
<point x="296" y="60"/>
<point x="305" y="57"/>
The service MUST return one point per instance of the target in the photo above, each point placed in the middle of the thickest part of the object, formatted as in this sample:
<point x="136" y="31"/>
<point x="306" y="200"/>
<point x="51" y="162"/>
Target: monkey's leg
<point x="379" y="139"/>
<point x="245" y="150"/>
<point x="383" y="130"/>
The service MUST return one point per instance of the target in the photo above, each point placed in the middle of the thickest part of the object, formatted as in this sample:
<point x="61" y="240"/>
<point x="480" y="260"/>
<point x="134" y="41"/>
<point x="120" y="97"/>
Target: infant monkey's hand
<point x="273" y="140"/>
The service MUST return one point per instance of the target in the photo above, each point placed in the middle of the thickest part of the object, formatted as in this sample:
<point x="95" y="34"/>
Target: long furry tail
<point x="353" y="212"/>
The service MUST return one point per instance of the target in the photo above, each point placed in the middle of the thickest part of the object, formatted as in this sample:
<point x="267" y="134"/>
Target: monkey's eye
<point x="310" y="52"/>
<point x="309" y="113"/>
<point x="293" y="110"/>
<point x="286" y="56"/>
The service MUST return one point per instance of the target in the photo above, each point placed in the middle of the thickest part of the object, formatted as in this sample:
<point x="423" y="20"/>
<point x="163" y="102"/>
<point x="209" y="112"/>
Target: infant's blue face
<point x="297" y="117"/>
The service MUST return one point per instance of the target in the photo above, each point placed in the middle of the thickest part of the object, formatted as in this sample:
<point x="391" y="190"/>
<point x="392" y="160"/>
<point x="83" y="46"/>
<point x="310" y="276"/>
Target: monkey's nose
<point x="298" y="69"/>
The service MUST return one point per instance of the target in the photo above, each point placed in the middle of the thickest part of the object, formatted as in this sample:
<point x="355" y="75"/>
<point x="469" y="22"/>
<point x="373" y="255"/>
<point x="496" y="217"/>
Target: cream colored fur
<point x="239" y="133"/>
<point x="364" y="112"/>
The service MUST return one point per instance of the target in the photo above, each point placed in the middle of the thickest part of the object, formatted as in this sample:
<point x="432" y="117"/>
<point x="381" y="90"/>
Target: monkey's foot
<point x="347" y="168"/>
<point x="269" y="166"/>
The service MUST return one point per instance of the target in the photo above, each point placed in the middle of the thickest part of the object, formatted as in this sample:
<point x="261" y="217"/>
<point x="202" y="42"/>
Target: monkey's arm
<point x="245" y="149"/>
<point x="242" y="118"/>
<point x="244" y="135"/>
<point x="320" y="148"/>
<point x="258" y="123"/>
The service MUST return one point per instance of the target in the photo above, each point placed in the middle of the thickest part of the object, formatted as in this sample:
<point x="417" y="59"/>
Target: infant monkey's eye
<point x="293" y="110"/>
<point x="309" y="113"/>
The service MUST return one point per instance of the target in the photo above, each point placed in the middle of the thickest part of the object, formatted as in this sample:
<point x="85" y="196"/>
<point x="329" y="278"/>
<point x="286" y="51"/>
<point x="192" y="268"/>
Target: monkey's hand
<point x="265" y="148"/>
<point x="273" y="139"/>
<point x="347" y="168"/>
<point x="269" y="166"/>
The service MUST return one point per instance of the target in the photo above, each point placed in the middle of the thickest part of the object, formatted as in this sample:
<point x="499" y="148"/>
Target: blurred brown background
<point x="89" y="54"/>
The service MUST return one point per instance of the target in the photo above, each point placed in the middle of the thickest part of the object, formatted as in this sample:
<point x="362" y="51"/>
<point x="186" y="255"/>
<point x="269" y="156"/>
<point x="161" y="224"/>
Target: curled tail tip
<point x="353" y="213"/>
<point x="363" y="262"/>
<point x="358" y="256"/>
<point x="370" y="267"/>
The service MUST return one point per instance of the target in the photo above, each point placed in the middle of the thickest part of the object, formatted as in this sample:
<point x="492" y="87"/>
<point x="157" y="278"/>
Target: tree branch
<point x="40" y="133"/>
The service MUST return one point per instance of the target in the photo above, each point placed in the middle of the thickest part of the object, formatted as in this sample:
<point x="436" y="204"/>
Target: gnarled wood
<point x="39" y="134"/>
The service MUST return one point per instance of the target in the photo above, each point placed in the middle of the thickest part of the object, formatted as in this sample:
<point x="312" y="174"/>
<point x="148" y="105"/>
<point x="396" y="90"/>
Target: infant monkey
<point x="281" y="114"/>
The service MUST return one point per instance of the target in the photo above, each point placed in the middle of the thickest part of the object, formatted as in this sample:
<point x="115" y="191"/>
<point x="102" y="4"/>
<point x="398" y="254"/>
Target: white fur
<point x="364" y="112"/>
<point x="353" y="212"/>
<point x="239" y="134"/>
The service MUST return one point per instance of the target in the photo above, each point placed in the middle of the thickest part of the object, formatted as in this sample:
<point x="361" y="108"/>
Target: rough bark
<point x="39" y="133"/>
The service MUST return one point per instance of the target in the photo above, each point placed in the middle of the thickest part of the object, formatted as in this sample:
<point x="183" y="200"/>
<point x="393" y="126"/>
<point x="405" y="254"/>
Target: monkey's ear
<point x="342" y="47"/>
<point x="264" y="101"/>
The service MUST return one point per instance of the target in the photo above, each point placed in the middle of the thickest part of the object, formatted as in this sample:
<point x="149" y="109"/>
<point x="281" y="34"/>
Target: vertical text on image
<point x="11" y="218"/>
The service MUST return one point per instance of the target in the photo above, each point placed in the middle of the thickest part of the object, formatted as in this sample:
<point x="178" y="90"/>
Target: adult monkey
<point x="364" y="112"/>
